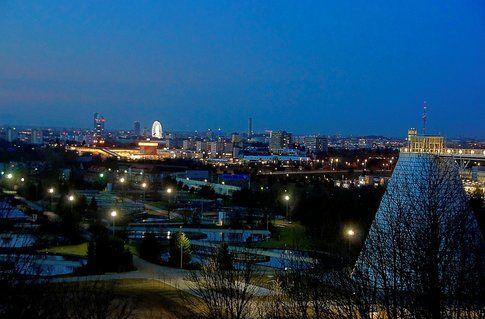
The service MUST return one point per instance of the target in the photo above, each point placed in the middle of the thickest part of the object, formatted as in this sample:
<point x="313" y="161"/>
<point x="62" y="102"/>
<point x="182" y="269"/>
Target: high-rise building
<point x="200" y="146"/>
<point x="37" y="137"/>
<point x="136" y="128"/>
<point x="12" y="134"/>
<point x="316" y="144"/>
<point x="216" y="148"/>
<point x="188" y="145"/>
<point x="98" y="130"/>
<point x="235" y="138"/>
<point x="250" y="128"/>
<point x="279" y="141"/>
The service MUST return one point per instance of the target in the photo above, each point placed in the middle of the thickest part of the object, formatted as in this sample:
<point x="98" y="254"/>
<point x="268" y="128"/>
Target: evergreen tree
<point x="150" y="248"/>
<point x="179" y="242"/>
<point x="223" y="257"/>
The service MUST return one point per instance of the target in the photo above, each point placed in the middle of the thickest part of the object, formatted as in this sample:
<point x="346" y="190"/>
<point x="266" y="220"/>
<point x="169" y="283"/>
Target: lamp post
<point x="51" y="194"/>
<point x="113" y="215"/>
<point x="144" y="186"/>
<point x="71" y="200"/>
<point x="169" y="192"/>
<point x="287" y="199"/>
<point x="350" y="233"/>
<point x="122" y="181"/>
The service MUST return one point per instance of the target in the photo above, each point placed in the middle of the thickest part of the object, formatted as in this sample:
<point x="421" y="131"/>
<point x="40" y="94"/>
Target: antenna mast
<point x="425" y="107"/>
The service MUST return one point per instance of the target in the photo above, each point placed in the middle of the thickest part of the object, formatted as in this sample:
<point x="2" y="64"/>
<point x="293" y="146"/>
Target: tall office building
<point x="279" y="141"/>
<point x="98" y="130"/>
<point x="136" y="128"/>
<point x="250" y="128"/>
<point x="12" y="134"/>
<point x="37" y="137"/>
<point x="235" y="138"/>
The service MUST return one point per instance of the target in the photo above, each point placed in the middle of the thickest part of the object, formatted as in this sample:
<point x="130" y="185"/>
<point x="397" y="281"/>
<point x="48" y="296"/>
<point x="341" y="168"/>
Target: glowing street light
<point x="71" y="200"/>
<point x="51" y="193"/>
<point x="169" y="193"/>
<point x="113" y="215"/>
<point x="9" y="175"/>
<point x="144" y="186"/>
<point x="122" y="181"/>
<point x="101" y="175"/>
<point x="287" y="199"/>
<point x="349" y="233"/>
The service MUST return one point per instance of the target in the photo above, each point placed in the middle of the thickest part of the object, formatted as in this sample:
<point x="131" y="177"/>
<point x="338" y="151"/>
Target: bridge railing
<point x="455" y="152"/>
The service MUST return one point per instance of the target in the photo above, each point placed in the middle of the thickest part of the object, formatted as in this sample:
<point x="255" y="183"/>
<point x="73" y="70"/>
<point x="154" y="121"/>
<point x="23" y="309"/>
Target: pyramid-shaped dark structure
<point x="423" y="225"/>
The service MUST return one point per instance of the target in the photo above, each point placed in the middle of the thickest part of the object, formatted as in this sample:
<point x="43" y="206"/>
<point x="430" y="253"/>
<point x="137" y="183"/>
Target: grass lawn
<point x="151" y="299"/>
<point x="289" y="236"/>
<point x="154" y="299"/>
<point x="81" y="249"/>
<point x="160" y="204"/>
<point x="77" y="250"/>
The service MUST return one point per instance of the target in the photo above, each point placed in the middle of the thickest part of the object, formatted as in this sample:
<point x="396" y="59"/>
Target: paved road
<point x="145" y="270"/>
<point x="31" y="204"/>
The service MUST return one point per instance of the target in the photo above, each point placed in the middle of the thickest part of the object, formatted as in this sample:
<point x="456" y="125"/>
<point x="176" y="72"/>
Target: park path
<point x="145" y="270"/>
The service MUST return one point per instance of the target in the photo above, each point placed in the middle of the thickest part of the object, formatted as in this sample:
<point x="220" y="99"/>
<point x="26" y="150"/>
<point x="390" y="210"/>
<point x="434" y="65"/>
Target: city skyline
<point x="302" y="68"/>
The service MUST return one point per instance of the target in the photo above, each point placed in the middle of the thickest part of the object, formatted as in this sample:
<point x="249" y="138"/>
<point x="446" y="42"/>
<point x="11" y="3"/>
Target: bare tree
<point x="226" y="293"/>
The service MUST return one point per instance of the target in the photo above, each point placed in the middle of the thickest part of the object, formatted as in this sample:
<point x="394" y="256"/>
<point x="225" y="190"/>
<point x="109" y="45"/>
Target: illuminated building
<point x="98" y="131"/>
<point x="279" y="140"/>
<point x="316" y="144"/>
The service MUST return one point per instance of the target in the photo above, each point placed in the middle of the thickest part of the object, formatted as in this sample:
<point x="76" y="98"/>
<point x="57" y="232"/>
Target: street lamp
<point x="51" y="193"/>
<point x="349" y="233"/>
<point x="71" y="200"/>
<point x="9" y="175"/>
<point x="122" y="181"/>
<point x="101" y="175"/>
<point x="144" y="186"/>
<point x="113" y="215"/>
<point x="169" y="192"/>
<point x="287" y="199"/>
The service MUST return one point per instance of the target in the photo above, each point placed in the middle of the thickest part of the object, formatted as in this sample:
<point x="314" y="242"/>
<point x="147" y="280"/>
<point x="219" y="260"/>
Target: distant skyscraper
<point x="12" y="134"/>
<point x="250" y="128"/>
<point x="235" y="138"/>
<point x="157" y="130"/>
<point x="98" y="131"/>
<point x="36" y="137"/>
<point x="137" y="128"/>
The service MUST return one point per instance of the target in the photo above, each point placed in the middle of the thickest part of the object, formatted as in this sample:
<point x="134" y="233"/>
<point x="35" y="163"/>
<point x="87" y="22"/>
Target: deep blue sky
<point x="349" y="67"/>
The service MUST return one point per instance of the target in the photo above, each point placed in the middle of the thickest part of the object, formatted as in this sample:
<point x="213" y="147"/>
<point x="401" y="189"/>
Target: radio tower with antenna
<point x="425" y="107"/>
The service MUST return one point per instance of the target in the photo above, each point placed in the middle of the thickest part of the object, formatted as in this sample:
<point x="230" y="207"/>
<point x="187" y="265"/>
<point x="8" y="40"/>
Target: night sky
<point x="348" y="67"/>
